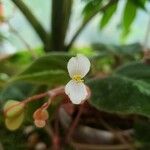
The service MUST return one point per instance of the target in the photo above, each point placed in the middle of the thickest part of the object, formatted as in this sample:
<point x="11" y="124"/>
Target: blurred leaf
<point x="3" y="79"/>
<point x="142" y="135"/>
<point x="13" y="63"/>
<point x="128" y="16"/>
<point x="50" y="70"/>
<point x="107" y="14"/>
<point x="10" y="139"/>
<point x="102" y="48"/>
<point x="139" y="3"/>
<point x="45" y="77"/>
<point x="136" y="71"/>
<point x="141" y="127"/>
<point x="120" y="95"/>
<point x="129" y="50"/>
<point x="91" y="7"/>
<point x="18" y="90"/>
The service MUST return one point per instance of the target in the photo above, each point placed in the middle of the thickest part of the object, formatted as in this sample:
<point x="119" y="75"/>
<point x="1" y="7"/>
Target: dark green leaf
<point x="120" y="95"/>
<point x="135" y="70"/>
<point x="51" y="77"/>
<point x="141" y="128"/>
<point x="50" y="70"/>
<point x="61" y="11"/>
<point x="130" y="49"/>
<point x="9" y="140"/>
<point x="108" y="13"/>
<point x="17" y="90"/>
<point x="139" y="3"/>
<point x="142" y="134"/>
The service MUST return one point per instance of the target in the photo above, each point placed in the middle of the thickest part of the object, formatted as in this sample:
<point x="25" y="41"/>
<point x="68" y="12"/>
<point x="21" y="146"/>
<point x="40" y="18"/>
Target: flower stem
<point x="51" y="93"/>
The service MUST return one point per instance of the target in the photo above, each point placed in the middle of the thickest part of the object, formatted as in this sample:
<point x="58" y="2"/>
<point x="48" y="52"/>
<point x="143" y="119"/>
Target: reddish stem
<point x="51" y="93"/>
<point x="35" y="97"/>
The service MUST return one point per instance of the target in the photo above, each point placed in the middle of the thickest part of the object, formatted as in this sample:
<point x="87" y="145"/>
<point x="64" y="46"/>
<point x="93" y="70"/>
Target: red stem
<point x="51" y="93"/>
<point x="35" y="97"/>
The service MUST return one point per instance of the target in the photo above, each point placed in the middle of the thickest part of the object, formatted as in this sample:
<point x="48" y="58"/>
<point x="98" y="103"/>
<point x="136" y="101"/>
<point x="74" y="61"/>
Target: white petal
<point x="79" y="65"/>
<point x="77" y="92"/>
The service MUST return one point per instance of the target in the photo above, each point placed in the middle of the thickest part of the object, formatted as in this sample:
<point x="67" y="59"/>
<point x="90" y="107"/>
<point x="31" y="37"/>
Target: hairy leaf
<point x="120" y="95"/>
<point x="135" y="70"/>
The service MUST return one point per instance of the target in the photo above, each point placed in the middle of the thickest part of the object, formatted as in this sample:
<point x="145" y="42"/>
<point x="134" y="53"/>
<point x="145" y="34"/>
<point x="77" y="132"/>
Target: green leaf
<point x="108" y="13"/>
<point x="126" y="50"/>
<point x="91" y="7"/>
<point x="136" y="71"/>
<point x="50" y="70"/>
<point x="120" y="95"/>
<point x="142" y="136"/>
<point x="45" y="77"/>
<point x="17" y="90"/>
<point x="139" y="3"/>
<point x="8" y="139"/>
<point x="129" y="50"/>
<point x="128" y="16"/>
<point x="141" y="127"/>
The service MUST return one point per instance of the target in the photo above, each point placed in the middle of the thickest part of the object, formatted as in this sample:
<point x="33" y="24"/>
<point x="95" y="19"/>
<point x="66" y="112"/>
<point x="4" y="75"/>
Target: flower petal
<point x="79" y="65"/>
<point x="77" y="92"/>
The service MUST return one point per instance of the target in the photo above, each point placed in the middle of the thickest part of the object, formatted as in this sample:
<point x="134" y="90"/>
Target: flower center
<point x="77" y="78"/>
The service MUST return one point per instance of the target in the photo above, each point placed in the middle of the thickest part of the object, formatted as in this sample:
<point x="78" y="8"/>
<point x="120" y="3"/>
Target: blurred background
<point x="90" y="34"/>
<point x="37" y="39"/>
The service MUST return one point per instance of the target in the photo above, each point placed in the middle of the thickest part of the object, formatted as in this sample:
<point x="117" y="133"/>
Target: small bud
<point x="40" y="123"/>
<point x="40" y="116"/>
<point x="14" y="113"/>
<point x="13" y="108"/>
<point x="15" y="122"/>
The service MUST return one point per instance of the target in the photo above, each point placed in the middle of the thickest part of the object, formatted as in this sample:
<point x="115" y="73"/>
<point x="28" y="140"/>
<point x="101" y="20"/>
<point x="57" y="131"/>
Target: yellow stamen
<point x="77" y="78"/>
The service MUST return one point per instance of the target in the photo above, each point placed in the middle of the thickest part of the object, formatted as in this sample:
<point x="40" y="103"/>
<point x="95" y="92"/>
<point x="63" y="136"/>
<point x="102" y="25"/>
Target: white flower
<point x="78" y="67"/>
